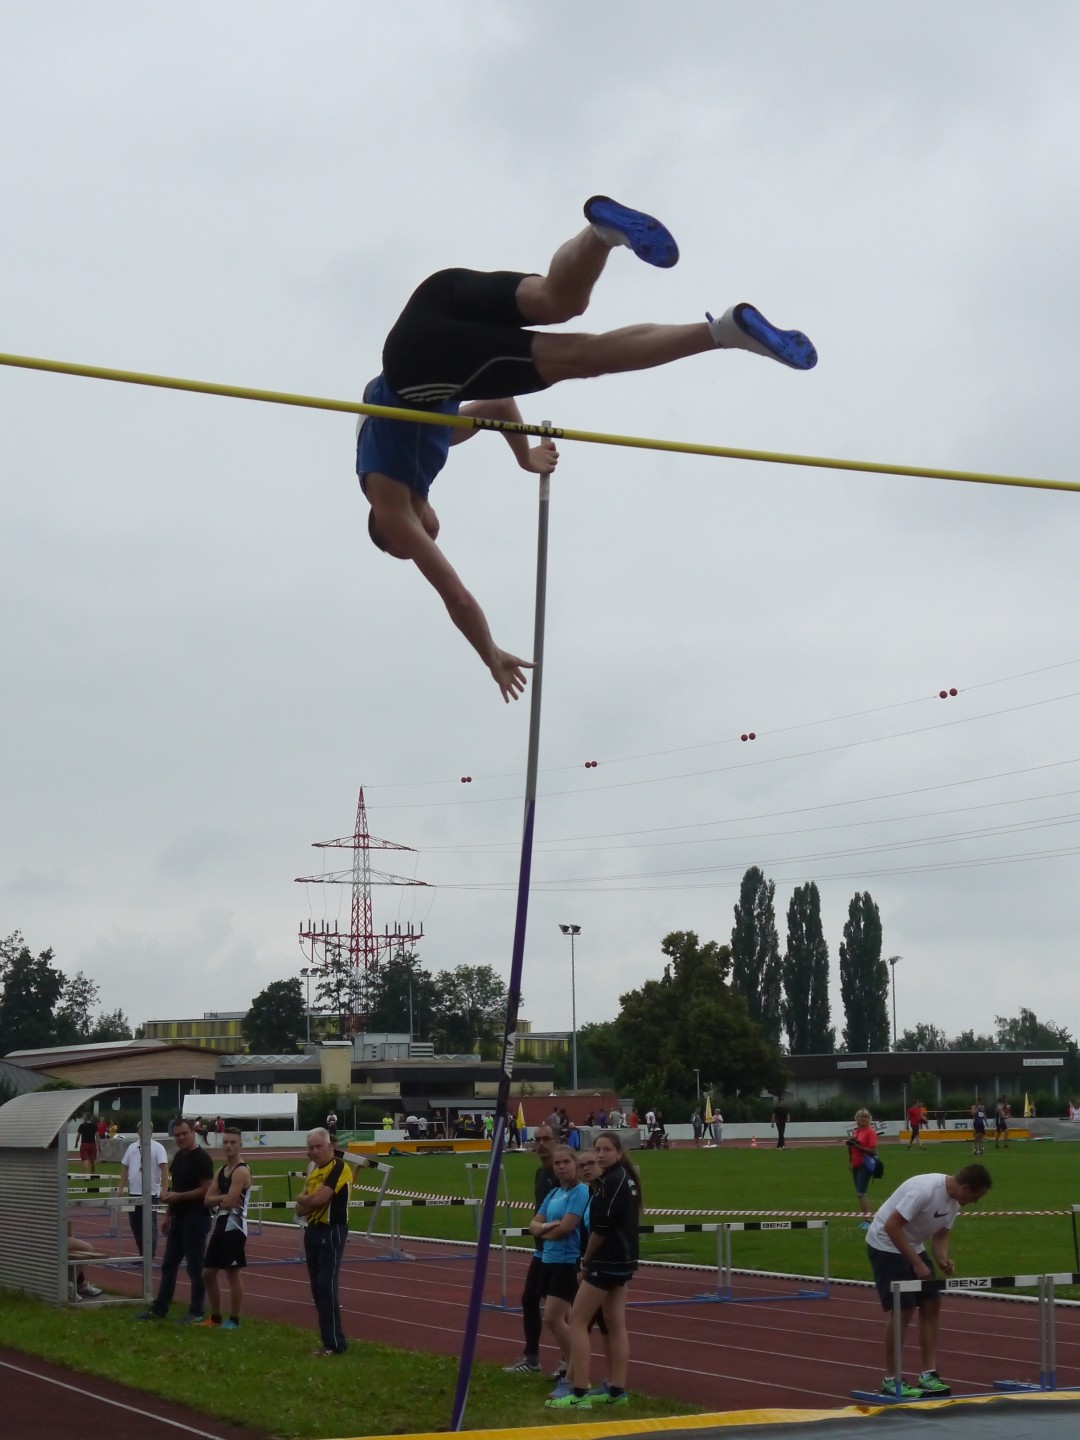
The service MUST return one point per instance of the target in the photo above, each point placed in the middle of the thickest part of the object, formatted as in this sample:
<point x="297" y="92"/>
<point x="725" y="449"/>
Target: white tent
<point x="243" y="1107"/>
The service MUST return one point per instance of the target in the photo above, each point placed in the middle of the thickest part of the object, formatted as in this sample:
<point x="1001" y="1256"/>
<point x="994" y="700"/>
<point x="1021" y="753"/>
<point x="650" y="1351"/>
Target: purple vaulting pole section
<point x="506" y="1071"/>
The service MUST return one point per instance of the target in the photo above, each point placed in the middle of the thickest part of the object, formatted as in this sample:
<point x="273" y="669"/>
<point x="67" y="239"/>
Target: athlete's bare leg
<point x="635" y="347"/>
<point x="565" y="290"/>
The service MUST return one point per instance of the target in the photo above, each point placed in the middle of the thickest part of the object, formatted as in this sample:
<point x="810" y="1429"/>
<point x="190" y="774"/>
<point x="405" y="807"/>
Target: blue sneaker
<point x="743" y="327"/>
<point x="190" y="1319"/>
<point x="646" y="237"/>
<point x="230" y="1324"/>
<point x="562" y="1388"/>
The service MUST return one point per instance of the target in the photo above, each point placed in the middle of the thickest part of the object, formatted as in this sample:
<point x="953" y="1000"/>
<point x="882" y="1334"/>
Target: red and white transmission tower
<point x="364" y="946"/>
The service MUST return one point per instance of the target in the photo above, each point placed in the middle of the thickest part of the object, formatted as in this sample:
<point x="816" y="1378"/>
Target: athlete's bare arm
<point x="406" y="537"/>
<point x="538" y="459"/>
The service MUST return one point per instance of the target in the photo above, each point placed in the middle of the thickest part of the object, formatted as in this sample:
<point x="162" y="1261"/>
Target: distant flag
<point x="521" y="1120"/>
<point x="1028" y="1108"/>
<point x="708" y="1109"/>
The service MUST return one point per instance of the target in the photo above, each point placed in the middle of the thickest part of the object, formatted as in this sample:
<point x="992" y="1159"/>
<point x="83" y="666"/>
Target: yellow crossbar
<point x="473" y="422"/>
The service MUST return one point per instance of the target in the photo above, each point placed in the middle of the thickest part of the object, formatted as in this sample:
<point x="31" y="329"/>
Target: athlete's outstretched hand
<point x="541" y="459"/>
<point x="508" y="672"/>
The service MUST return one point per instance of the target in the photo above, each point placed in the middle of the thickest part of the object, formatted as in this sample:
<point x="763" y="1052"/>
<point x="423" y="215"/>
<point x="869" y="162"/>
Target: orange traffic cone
<point x="753" y="1142"/>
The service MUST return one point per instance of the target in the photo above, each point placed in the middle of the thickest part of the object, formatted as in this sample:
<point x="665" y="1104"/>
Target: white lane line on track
<point x="85" y="1394"/>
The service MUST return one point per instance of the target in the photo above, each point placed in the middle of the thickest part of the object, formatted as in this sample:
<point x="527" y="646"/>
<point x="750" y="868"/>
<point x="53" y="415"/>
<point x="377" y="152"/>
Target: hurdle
<point x="724" y="1289"/>
<point x="1043" y="1285"/>
<point x="470" y="1166"/>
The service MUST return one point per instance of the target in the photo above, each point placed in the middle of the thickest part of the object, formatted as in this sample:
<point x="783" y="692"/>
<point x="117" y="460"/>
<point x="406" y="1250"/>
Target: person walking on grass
<point x="463" y="345"/>
<point x="923" y="1209"/>
<point x="228" y="1197"/>
<point x="531" y="1318"/>
<point x="606" y="1267"/>
<point x="862" y="1153"/>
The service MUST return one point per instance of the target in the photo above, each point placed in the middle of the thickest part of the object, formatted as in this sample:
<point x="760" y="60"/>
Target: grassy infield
<point x="264" y="1376"/>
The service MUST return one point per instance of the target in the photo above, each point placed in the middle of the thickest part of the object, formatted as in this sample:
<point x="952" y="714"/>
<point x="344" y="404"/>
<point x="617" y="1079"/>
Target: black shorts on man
<point x="889" y="1266"/>
<point x="461" y="336"/>
<point x="226" y="1250"/>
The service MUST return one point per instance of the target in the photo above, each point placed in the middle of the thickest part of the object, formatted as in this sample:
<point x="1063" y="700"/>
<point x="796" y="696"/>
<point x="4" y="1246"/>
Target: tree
<point x="78" y="998"/>
<point x="1028" y="1032"/>
<point x="690" y="1019"/>
<point x="968" y="1040"/>
<point x="32" y="986"/>
<point x="864" y="978"/>
<point x="755" y="952"/>
<point x="276" y="1024"/>
<point x="469" y="1008"/>
<point x="339" y="989"/>
<point x="111" y="1025"/>
<point x="401" y="987"/>
<point x="924" y="1037"/>
<point x="805" y="973"/>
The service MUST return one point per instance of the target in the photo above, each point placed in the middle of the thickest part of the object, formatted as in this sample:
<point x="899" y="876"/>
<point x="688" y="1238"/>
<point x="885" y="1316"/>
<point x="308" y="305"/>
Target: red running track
<point x="787" y="1353"/>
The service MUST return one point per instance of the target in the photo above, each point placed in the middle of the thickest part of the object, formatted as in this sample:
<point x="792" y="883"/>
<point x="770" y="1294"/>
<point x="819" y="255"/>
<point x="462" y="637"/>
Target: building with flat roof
<point x="884" y="1076"/>
<point x="217" y="1030"/>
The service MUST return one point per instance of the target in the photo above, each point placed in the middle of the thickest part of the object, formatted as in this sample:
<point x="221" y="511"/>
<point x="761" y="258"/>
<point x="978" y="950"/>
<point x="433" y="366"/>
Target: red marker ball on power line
<point x="943" y="694"/>
<point x="952" y="692"/>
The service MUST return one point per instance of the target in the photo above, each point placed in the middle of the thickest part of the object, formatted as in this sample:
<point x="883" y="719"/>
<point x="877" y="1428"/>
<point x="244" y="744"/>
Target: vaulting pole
<point x="475" y="422"/>
<point x="506" y="1069"/>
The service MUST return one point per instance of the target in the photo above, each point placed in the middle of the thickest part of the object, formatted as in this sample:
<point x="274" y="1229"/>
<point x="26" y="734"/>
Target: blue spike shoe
<point x="743" y="327"/>
<point x="645" y="236"/>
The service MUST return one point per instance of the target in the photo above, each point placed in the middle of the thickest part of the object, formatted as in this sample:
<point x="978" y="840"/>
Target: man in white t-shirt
<point x="131" y="1181"/>
<point x="922" y="1209"/>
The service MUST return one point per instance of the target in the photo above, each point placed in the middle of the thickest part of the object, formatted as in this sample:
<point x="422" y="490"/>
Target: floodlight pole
<point x="893" y="961"/>
<point x="573" y="931"/>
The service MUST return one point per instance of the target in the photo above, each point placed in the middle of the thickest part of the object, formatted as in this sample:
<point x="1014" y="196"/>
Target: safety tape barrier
<point x="711" y="1227"/>
<point x="762" y="1214"/>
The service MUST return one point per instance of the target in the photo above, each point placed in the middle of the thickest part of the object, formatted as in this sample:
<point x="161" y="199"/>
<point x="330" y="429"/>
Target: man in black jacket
<point x="529" y="1364"/>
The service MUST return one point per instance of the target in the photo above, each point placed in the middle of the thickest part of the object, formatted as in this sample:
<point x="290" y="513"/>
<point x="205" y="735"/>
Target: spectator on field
<point x="607" y="1265"/>
<point x="80" y="1288"/>
<point x="219" y="1130"/>
<point x="227" y="1198"/>
<point x="422" y="1127"/>
<point x="916" y="1117"/>
<point x="88" y="1144"/>
<point x="862" y="1155"/>
<point x="324" y="1206"/>
<point x="332" y="1124"/>
<point x="717" y="1127"/>
<point x="557" y="1228"/>
<point x="697" y="1124"/>
<point x="779" y="1123"/>
<point x="543" y="1181"/>
<point x="130" y="1181"/>
<point x="187" y="1224"/>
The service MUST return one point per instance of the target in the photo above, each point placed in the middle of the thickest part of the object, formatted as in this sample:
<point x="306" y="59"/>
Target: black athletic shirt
<point x="188" y="1170"/>
<point x="543" y="1185"/>
<point x="614" y="1216"/>
<point x="88" y="1133"/>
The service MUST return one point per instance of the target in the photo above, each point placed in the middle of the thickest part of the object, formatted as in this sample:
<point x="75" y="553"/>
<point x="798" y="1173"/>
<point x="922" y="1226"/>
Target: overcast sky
<point x="203" y="658"/>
